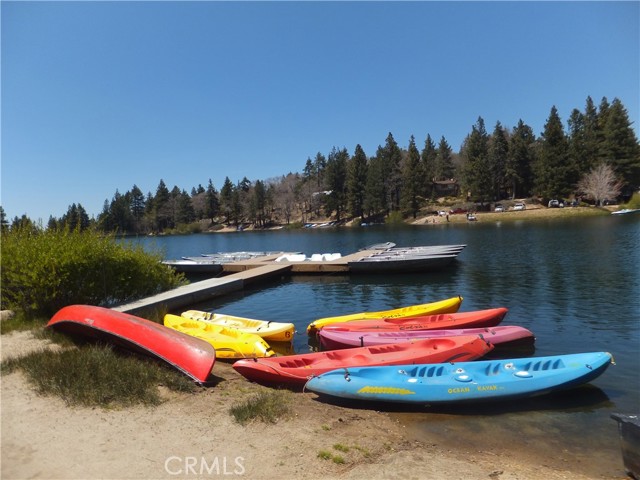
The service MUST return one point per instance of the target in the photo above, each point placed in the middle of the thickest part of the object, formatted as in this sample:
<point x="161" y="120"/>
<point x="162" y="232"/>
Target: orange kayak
<point x="297" y="369"/>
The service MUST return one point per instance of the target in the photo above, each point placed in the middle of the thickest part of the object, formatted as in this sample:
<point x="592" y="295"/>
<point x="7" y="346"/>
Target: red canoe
<point x="297" y="369"/>
<point x="190" y="355"/>
<point x="336" y="339"/>
<point x="444" y="321"/>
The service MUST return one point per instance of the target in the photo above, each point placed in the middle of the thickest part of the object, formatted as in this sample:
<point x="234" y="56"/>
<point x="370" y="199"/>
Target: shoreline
<point x="532" y="212"/>
<point x="44" y="438"/>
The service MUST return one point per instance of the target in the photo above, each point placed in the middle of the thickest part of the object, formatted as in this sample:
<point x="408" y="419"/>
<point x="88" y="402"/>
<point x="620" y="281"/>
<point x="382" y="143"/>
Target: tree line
<point x="598" y="143"/>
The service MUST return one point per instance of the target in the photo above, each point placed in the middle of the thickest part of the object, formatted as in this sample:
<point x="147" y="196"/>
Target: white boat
<point x="624" y="211"/>
<point x="401" y="263"/>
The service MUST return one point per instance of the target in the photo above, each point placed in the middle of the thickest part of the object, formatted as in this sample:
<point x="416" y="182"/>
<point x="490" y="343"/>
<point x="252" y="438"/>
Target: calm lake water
<point x="574" y="282"/>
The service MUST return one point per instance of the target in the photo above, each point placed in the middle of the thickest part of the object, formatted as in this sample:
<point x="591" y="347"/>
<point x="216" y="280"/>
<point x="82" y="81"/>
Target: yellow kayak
<point x="450" y="305"/>
<point x="271" y="331"/>
<point x="228" y="342"/>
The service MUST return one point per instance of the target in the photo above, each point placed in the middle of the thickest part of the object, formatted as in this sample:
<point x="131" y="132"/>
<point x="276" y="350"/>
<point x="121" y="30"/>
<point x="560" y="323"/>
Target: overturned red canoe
<point x="190" y="355"/>
<point x="336" y="339"/>
<point x="297" y="369"/>
<point x="444" y="321"/>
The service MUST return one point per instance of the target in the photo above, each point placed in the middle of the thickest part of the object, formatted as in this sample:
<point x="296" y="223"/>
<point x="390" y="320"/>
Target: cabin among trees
<point x="562" y="162"/>
<point x="446" y="188"/>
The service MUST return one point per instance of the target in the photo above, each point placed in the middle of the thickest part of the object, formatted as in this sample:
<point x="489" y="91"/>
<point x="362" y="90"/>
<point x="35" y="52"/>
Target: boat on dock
<point x="407" y="259"/>
<point x="194" y="265"/>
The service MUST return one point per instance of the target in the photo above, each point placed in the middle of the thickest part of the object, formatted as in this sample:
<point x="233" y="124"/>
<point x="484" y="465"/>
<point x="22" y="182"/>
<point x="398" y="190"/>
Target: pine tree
<point x="428" y="158"/>
<point x="392" y="157"/>
<point x="320" y="164"/>
<point x="497" y="156"/>
<point x="357" y="182"/>
<point x="412" y="179"/>
<point x="551" y="179"/>
<point x="376" y="194"/>
<point x="592" y="136"/>
<point x="444" y="169"/>
<point x="185" y="212"/>
<point x="518" y="170"/>
<point x="226" y="199"/>
<point x="163" y="214"/>
<point x="477" y="179"/>
<point x="620" y="146"/>
<point x="578" y="157"/>
<point x="336" y="181"/>
<point x="137" y="207"/>
<point x="259" y="199"/>
<point x="212" y="203"/>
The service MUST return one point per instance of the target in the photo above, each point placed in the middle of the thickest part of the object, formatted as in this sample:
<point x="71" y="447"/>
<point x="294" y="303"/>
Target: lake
<point x="574" y="282"/>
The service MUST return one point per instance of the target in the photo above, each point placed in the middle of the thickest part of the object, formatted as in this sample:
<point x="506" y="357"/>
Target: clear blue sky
<point x="99" y="96"/>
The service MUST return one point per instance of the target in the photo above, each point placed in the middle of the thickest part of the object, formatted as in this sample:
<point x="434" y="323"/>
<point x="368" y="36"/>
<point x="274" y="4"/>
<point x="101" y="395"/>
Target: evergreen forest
<point x="504" y="163"/>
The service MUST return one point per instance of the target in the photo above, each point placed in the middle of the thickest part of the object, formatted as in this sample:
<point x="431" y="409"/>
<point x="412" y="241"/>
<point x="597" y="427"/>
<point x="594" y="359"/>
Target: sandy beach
<point x="194" y="436"/>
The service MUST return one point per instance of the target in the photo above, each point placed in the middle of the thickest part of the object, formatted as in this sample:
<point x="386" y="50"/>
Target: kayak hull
<point x="297" y="369"/>
<point x="480" y="381"/>
<point x="191" y="356"/>
<point x="270" y="331"/>
<point x="444" y="321"/>
<point x="230" y="343"/>
<point x="499" y="336"/>
<point x="449" y="305"/>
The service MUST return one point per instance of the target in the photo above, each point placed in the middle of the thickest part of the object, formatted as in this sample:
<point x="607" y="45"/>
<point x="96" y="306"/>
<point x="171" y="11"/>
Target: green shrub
<point x="394" y="218"/>
<point x="634" y="201"/>
<point x="267" y="405"/>
<point x="43" y="271"/>
<point x="95" y="375"/>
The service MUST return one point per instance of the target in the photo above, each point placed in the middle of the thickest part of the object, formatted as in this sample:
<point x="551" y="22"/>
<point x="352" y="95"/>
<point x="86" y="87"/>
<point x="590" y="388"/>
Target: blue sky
<point x="99" y="96"/>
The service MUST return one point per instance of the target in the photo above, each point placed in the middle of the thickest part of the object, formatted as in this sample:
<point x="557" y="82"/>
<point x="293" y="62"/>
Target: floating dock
<point x="204" y="290"/>
<point x="234" y="276"/>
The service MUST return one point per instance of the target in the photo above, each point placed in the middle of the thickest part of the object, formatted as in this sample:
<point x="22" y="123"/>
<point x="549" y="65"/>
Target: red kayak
<point x="444" y="321"/>
<point x="297" y="369"/>
<point x="336" y="339"/>
<point x="190" y="355"/>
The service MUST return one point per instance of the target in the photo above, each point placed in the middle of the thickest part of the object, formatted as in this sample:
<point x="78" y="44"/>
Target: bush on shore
<point x="96" y="376"/>
<point x="43" y="271"/>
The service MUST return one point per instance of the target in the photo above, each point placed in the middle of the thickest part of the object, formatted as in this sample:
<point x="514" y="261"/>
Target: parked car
<point x="457" y="210"/>
<point x="554" y="204"/>
<point x="519" y="206"/>
<point x="499" y="208"/>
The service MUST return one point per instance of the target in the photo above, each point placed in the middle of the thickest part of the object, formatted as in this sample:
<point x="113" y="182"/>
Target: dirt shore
<point x="532" y="212"/>
<point x="194" y="436"/>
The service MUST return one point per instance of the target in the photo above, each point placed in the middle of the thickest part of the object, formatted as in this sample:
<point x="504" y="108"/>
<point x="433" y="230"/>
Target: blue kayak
<point x="443" y="383"/>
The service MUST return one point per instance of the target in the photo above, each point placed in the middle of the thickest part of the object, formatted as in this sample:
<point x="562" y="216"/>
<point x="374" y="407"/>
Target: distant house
<point x="446" y="188"/>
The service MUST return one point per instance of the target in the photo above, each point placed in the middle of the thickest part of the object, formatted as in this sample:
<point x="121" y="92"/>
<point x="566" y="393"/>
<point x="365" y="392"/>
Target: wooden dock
<point x="204" y="290"/>
<point x="235" y="277"/>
